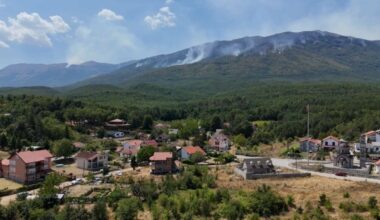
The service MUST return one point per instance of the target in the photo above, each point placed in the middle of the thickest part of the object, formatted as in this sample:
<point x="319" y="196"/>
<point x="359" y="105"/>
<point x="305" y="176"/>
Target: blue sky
<point x="75" y="31"/>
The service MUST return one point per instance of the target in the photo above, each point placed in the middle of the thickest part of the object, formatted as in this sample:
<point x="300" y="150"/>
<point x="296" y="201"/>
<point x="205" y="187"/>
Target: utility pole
<point x="308" y="134"/>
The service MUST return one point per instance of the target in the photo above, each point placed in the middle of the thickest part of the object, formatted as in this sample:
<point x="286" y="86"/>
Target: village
<point x="144" y="156"/>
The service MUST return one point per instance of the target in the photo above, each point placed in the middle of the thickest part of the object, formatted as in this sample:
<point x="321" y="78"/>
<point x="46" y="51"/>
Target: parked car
<point x="341" y="174"/>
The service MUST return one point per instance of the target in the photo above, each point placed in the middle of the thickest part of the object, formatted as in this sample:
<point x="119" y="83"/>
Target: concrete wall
<point x="269" y="175"/>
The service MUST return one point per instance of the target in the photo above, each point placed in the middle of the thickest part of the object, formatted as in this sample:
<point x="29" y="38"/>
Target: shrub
<point x="266" y="203"/>
<point x="372" y="202"/>
<point x="346" y="195"/>
<point x="127" y="209"/>
<point x="356" y="217"/>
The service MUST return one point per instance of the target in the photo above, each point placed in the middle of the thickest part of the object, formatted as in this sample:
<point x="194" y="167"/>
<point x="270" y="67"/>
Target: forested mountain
<point x="288" y="56"/>
<point x="61" y="74"/>
<point x="304" y="56"/>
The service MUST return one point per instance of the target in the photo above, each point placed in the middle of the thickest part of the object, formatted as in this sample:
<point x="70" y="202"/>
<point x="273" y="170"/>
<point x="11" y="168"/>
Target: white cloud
<point x="90" y="43"/>
<point x="164" y="18"/>
<point x="32" y="28"/>
<point x="110" y="15"/>
<point x="3" y="45"/>
<point x="168" y="2"/>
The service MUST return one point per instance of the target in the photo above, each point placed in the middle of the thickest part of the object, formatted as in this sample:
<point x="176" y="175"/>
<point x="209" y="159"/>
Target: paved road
<point x="286" y="163"/>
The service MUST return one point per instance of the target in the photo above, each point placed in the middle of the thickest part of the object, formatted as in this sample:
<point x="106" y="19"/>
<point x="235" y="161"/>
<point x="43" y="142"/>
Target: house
<point x="117" y="124"/>
<point x="309" y="144"/>
<point x="152" y="143"/>
<point x="162" y="163"/>
<point x="78" y="145"/>
<point x="127" y="151"/>
<point x="330" y="142"/>
<point x="255" y="166"/>
<point x="161" y="126"/>
<point x="187" y="152"/>
<point x="162" y="138"/>
<point x="130" y="148"/>
<point x="219" y="141"/>
<point x="91" y="160"/>
<point x="173" y="131"/>
<point x="371" y="140"/>
<point x="27" y="166"/>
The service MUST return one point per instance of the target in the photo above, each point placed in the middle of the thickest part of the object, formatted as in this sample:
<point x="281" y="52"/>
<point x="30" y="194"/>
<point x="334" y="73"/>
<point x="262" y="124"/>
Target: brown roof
<point x="159" y="156"/>
<point x="87" y="155"/>
<point x="315" y="141"/>
<point x="34" y="156"/>
<point x="117" y="121"/>
<point x="194" y="149"/>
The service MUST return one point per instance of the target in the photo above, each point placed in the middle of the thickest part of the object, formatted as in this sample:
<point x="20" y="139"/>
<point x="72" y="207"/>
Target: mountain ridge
<point x="311" y="44"/>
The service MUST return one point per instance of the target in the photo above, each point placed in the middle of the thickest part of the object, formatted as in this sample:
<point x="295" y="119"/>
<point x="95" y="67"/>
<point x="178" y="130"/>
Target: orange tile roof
<point x="159" y="156"/>
<point x="194" y="149"/>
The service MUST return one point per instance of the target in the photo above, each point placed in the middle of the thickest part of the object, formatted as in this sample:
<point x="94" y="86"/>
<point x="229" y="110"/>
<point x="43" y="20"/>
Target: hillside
<point x="291" y="57"/>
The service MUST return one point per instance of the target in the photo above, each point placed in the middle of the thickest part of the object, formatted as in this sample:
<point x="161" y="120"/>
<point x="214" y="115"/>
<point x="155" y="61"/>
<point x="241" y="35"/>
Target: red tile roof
<point x="5" y="162"/>
<point x="194" y="149"/>
<point x="136" y="143"/>
<point x="315" y="141"/>
<point x="159" y="156"/>
<point x="87" y="155"/>
<point x="152" y="143"/>
<point x="34" y="156"/>
<point x="370" y="133"/>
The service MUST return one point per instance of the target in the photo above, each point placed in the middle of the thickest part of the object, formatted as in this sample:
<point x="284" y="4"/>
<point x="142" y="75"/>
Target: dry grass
<point x="70" y="168"/>
<point x="4" y="155"/>
<point x="4" y="184"/>
<point x="305" y="189"/>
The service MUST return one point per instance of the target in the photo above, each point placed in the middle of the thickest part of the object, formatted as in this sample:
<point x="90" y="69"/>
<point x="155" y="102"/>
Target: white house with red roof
<point x="372" y="142"/>
<point x="330" y="142"/>
<point x="27" y="166"/>
<point x="91" y="160"/>
<point x="187" y="152"/>
<point x="219" y="141"/>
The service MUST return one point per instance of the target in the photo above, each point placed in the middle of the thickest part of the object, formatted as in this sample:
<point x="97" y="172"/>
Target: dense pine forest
<point x="278" y="110"/>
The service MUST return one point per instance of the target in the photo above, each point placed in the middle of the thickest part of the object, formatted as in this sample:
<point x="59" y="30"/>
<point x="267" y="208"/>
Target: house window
<point x="326" y="143"/>
<point x="333" y="143"/>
